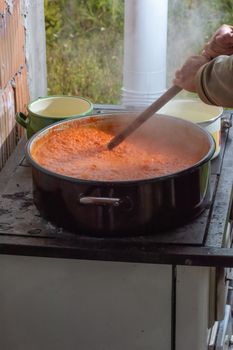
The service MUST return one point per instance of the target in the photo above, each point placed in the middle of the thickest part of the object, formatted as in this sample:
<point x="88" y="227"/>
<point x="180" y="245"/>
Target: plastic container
<point x="207" y="116"/>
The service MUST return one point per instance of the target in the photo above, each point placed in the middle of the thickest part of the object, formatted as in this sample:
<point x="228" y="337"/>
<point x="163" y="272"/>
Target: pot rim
<point x="210" y="121"/>
<point x="89" y="110"/>
<point x="40" y="133"/>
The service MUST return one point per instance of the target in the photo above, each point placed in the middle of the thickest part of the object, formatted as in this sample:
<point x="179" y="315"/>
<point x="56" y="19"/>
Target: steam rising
<point x="190" y="24"/>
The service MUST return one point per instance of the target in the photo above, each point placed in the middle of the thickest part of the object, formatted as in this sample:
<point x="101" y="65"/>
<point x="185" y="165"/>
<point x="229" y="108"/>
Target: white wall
<point x="33" y="12"/>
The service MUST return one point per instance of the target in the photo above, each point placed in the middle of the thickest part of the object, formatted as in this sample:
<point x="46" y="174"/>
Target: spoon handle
<point x="147" y="113"/>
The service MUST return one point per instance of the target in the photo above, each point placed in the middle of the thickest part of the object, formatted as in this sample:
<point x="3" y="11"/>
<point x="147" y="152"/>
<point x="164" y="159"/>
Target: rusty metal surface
<point x="12" y="42"/>
<point x="7" y="124"/>
<point x="18" y="215"/>
<point x="21" y="90"/>
<point x="2" y="7"/>
<point x="22" y="98"/>
<point x="14" y="94"/>
<point x="23" y="231"/>
<point x="218" y="223"/>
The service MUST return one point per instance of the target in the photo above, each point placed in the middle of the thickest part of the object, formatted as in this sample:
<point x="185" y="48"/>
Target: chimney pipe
<point x="145" y="45"/>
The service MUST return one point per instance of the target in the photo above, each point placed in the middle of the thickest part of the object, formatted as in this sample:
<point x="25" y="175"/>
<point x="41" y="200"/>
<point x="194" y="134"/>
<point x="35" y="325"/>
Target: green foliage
<point x="85" y="48"/>
<point x="53" y="19"/>
<point x="83" y="70"/>
<point x="226" y="7"/>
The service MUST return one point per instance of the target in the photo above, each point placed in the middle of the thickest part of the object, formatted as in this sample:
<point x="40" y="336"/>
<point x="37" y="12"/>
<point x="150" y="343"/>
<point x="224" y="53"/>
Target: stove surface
<point x="23" y="230"/>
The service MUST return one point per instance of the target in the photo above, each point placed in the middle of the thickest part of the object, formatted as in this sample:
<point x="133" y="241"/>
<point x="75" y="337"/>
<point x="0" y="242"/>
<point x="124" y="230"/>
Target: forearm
<point x="214" y="82"/>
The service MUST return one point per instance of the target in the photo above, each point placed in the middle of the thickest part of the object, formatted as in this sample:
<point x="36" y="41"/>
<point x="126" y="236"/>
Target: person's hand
<point x="185" y="77"/>
<point x="221" y="43"/>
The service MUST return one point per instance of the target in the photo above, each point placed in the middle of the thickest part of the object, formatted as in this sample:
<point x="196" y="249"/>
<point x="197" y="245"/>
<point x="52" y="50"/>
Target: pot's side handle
<point x="21" y="118"/>
<point x="100" y="201"/>
<point x="126" y="203"/>
<point x="226" y="123"/>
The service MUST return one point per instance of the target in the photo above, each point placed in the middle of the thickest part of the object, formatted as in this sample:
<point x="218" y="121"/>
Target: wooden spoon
<point x="146" y="114"/>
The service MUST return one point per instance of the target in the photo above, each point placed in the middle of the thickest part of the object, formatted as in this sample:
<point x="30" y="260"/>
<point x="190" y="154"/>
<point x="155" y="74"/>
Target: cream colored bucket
<point x="207" y="116"/>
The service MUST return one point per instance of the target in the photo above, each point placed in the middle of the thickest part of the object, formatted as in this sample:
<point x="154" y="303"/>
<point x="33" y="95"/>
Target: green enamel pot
<point x="48" y="110"/>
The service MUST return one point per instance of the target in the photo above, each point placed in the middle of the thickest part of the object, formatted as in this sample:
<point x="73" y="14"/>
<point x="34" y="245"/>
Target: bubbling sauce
<point x="81" y="152"/>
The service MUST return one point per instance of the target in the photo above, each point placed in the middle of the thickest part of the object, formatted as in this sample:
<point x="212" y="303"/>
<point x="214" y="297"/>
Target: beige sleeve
<point x="214" y="82"/>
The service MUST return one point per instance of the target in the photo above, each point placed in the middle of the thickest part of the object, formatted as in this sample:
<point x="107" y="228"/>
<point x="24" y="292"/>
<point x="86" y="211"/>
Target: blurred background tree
<point x="85" y="42"/>
<point x="85" y="48"/>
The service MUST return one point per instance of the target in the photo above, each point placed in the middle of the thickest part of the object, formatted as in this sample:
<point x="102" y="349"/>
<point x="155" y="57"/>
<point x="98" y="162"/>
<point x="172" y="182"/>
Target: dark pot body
<point x="144" y="207"/>
<point x="125" y="207"/>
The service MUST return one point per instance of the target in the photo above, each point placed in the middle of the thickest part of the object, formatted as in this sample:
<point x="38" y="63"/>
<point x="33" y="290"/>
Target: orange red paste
<point x="81" y="152"/>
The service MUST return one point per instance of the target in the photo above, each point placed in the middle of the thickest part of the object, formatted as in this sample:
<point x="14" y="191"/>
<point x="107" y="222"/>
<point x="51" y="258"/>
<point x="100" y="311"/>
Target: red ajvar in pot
<point x="80" y="185"/>
<point x="81" y="152"/>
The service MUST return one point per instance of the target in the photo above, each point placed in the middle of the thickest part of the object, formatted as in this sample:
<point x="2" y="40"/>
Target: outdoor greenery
<point x="85" y="42"/>
<point x="85" y="48"/>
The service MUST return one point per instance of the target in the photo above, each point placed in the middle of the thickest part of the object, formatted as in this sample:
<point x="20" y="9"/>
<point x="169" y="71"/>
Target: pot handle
<point x="226" y="123"/>
<point x="115" y="202"/>
<point x="125" y="203"/>
<point x="21" y="118"/>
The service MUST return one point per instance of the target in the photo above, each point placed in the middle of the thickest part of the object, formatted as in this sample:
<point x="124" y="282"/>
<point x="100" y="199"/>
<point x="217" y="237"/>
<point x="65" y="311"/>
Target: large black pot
<point x="136" y="207"/>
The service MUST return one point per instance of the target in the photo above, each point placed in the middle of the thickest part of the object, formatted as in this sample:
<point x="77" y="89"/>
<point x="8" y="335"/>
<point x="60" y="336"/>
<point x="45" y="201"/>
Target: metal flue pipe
<point x="145" y="45"/>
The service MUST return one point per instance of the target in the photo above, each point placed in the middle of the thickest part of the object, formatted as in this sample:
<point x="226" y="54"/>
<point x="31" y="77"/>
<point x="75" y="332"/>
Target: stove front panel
<point x="61" y="304"/>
